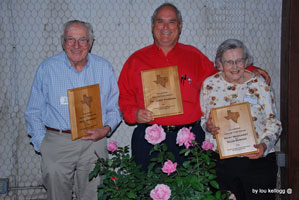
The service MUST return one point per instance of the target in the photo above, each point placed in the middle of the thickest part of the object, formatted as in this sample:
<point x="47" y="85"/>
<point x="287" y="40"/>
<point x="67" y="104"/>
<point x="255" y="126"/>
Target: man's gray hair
<point x="86" y="24"/>
<point x="178" y="12"/>
<point x="232" y="44"/>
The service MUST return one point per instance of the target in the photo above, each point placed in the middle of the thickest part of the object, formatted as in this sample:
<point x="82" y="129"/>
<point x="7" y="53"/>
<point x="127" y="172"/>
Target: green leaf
<point x="212" y="164"/>
<point x="182" y="174"/>
<point x="186" y="164"/>
<point x="110" y="163"/>
<point x="183" y="151"/>
<point x="91" y="175"/>
<point x="100" y="194"/>
<point x="212" y="176"/>
<point x="214" y="184"/>
<point x="151" y="151"/>
<point x="208" y="193"/>
<point x="179" y="181"/>
<point x="132" y="195"/>
<point x="155" y="159"/>
<point x="206" y="158"/>
<point x="150" y="167"/>
<point x="170" y="156"/>
<point x="164" y="147"/>
<point x="210" y="198"/>
<point x="197" y="186"/>
<point x="187" y="152"/>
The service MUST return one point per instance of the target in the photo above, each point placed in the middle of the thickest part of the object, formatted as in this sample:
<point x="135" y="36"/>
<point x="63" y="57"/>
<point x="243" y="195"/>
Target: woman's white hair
<point x="232" y="44"/>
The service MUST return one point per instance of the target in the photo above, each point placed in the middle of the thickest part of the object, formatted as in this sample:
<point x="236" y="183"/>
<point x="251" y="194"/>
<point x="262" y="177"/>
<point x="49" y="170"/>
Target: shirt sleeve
<point x="33" y="114"/>
<point x="205" y="109"/>
<point x="112" y="111"/>
<point x="272" y="126"/>
<point x="127" y="98"/>
<point x="250" y="68"/>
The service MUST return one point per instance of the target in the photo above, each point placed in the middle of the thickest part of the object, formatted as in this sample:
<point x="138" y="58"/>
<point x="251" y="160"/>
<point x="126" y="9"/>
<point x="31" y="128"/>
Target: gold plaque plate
<point x="85" y="109"/>
<point x="237" y="134"/>
<point x="162" y="92"/>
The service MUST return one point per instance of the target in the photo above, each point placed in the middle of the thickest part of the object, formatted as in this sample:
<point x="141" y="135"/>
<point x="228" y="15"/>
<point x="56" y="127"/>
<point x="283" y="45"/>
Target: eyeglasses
<point x="238" y="62"/>
<point x="83" y="42"/>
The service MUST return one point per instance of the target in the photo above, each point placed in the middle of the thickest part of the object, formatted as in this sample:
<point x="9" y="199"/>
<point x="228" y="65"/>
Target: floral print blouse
<point x="216" y="92"/>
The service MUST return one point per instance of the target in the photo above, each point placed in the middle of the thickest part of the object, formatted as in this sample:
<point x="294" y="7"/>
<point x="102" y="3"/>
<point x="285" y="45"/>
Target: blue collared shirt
<point x="47" y="104"/>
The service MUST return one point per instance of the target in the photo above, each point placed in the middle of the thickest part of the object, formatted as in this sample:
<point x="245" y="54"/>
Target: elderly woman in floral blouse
<point x="246" y="175"/>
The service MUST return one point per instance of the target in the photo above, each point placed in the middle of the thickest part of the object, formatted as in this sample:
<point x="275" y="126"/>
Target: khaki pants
<point x="65" y="162"/>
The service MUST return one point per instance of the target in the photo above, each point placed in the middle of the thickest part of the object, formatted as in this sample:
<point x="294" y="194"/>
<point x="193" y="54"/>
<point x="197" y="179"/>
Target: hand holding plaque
<point x="85" y="109"/>
<point x="161" y="91"/>
<point x="237" y="134"/>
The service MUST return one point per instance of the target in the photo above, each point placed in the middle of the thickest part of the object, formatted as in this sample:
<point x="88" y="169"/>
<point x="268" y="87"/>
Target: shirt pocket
<point x="189" y="93"/>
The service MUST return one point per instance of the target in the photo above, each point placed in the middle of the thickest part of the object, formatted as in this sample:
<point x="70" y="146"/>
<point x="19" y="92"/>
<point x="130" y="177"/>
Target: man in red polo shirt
<point x="193" y="68"/>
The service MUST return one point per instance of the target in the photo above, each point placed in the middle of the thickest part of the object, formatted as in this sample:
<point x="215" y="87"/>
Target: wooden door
<point x="290" y="97"/>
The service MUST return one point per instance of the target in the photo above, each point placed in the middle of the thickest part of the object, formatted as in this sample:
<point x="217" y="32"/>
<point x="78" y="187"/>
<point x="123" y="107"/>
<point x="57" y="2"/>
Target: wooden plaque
<point x="85" y="109"/>
<point x="162" y="92"/>
<point x="237" y="134"/>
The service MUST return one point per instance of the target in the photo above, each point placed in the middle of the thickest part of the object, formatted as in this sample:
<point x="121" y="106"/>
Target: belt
<point x="176" y="128"/>
<point x="56" y="130"/>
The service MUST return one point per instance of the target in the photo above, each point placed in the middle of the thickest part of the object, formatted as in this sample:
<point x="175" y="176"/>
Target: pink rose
<point x="169" y="167"/>
<point x="155" y="134"/>
<point x="112" y="146"/>
<point x="161" y="192"/>
<point x="185" y="136"/>
<point x="206" y="145"/>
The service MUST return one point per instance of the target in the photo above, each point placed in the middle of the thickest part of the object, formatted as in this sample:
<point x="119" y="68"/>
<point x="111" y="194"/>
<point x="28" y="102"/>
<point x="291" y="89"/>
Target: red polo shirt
<point x="193" y="68"/>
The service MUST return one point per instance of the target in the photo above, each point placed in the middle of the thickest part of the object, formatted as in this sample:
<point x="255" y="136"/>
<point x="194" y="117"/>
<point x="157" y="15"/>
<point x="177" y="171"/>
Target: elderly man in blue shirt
<point x="47" y="114"/>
